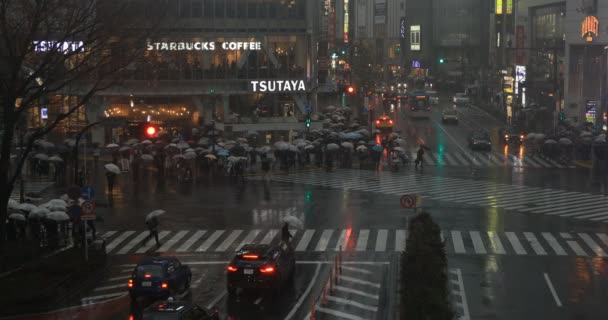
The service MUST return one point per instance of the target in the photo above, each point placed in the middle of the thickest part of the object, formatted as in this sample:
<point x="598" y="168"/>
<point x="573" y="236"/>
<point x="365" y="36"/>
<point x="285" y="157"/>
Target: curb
<point x="584" y="164"/>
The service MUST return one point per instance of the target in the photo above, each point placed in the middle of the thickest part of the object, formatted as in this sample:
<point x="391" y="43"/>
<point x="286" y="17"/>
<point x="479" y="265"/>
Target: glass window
<point x="220" y="6"/>
<point x="184" y="8"/>
<point x="208" y="8"/>
<point x="263" y="10"/>
<point x="197" y="8"/>
<point x="156" y="271"/>
<point x="252" y="9"/>
<point x="272" y="9"/>
<point x="230" y="9"/>
<point x="242" y="8"/>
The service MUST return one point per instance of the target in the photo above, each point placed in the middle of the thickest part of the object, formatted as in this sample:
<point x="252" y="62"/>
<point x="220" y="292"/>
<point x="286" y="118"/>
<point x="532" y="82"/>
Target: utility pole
<point x="78" y="137"/>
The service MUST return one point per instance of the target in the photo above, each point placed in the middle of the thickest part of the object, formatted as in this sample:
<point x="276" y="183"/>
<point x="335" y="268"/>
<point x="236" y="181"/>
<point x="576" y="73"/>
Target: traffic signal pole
<point x="78" y="137"/>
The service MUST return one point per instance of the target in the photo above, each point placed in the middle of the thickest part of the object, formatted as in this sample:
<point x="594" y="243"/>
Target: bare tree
<point x="50" y="46"/>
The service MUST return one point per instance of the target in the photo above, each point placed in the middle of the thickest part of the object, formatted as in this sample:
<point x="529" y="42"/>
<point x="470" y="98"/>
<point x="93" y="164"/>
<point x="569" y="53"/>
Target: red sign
<point x="88" y="210"/>
<point x="590" y="28"/>
<point x="520" y="38"/>
<point x="407" y="201"/>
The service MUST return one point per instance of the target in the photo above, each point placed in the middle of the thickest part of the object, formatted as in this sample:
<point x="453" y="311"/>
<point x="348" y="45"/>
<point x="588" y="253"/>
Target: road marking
<point x="122" y="285"/>
<point x="151" y="242"/>
<point x="303" y="244"/>
<point x="554" y="244"/>
<point x="463" y="296"/>
<point x="381" y="240"/>
<point x="210" y="240"/>
<point x="574" y="245"/>
<point x="171" y="242"/>
<point x="270" y="235"/>
<point x="216" y="300"/>
<point x="343" y="240"/>
<point x="229" y="240"/>
<point x="552" y="289"/>
<point x="519" y="249"/>
<point x="477" y="242"/>
<point x="362" y="240"/>
<point x="458" y="243"/>
<point x="593" y="245"/>
<point x="324" y="240"/>
<point x="352" y="303"/>
<point x="312" y="282"/>
<point x="249" y="238"/>
<point x="359" y="292"/>
<point x="118" y="240"/>
<point x="536" y="246"/>
<point x="119" y="278"/>
<point x="496" y="243"/>
<point x="603" y="237"/>
<point x="355" y="269"/>
<point x="133" y="242"/>
<point x="102" y="296"/>
<point x="400" y="236"/>
<point x="355" y="280"/>
<point x="339" y="314"/>
<point x="197" y="235"/>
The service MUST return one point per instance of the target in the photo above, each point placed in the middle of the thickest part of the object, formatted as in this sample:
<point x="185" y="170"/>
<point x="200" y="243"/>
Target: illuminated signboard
<point x="509" y="6"/>
<point x="402" y="28"/>
<point x="203" y="46"/>
<point x="416" y="64"/>
<point x="415" y="38"/>
<point x="345" y="21"/>
<point x="64" y="46"/>
<point x="278" y="85"/>
<point x="498" y="6"/>
<point x="44" y="113"/>
<point x="590" y="28"/>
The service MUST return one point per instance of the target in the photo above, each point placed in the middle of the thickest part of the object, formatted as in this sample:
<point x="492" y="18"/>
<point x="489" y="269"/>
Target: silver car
<point x="449" y="115"/>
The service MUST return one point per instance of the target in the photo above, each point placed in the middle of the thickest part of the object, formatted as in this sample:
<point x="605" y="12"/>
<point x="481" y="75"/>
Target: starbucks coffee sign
<point x="203" y="46"/>
<point x="278" y="86"/>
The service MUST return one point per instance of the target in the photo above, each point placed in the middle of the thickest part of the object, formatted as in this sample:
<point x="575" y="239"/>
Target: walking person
<point x="419" y="156"/>
<point x="110" y="176"/>
<point x="152" y="225"/>
<point x="266" y="167"/>
<point x="285" y="235"/>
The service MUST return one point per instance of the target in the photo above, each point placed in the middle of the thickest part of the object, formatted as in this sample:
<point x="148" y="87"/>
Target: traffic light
<point x="150" y="131"/>
<point x="562" y="116"/>
<point x="441" y="60"/>
<point x="308" y="121"/>
<point x="350" y="89"/>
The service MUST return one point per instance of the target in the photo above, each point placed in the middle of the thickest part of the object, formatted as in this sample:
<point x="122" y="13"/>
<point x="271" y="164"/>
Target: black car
<point x="159" y="277"/>
<point x="260" y="266"/>
<point x="511" y="135"/>
<point x="177" y="310"/>
<point x="480" y="140"/>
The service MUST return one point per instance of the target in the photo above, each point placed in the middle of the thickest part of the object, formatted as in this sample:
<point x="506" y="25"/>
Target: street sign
<point x="88" y="192"/>
<point x="308" y="108"/>
<point x="88" y="210"/>
<point x="408" y="201"/>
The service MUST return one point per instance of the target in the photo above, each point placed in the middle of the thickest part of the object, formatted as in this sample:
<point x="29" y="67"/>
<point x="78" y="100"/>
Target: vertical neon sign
<point x="345" y="21"/>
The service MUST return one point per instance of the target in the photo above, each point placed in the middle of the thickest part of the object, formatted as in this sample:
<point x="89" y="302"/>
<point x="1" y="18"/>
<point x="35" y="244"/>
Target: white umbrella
<point x="183" y="145"/>
<point x="58" y="216"/>
<point x="308" y="147"/>
<point x="147" y="157"/>
<point x="293" y="148"/>
<point x="70" y="142"/>
<point x="112" y="168"/>
<point x="203" y="141"/>
<point x="232" y="159"/>
<point x="400" y="142"/>
<point x="264" y="149"/>
<point x="132" y="141"/>
<point x="332" y="146"/>
<point x="565" y="141"/>
<point x="586" y="134"/>
<point x="550" y="141"/>
<point x="55" y="159"/>
<point x="179" y="156"/>
<point x="330" y="108"/>
<point x="190" y="155"/>
<point x="16" y="216"/>
<point x="42" y="156"/>
<point x="399" y="149"/>
<point x="600" y="138"/>
<point x="211" y="156"/>
<point x="171" y="145"/>
<point x="294" y="222"/>
<point x="38" y="213"/>
<point x="125" y="148"/>
<point x="189" y="150"/>
<point x="241" y="140"/>
<point x="146" y="142"/>
<point x="531" y="136"/>
<point x="58" y="202"/>
<point x="540" y="136"/>
<point x="347" y="145"/>
<point x="281" y="145"/>
<point x="27" y="207"/>
<point x="56" y="207"/>
<point x="13" y="204"/>
<point x="155" y="214"/>
<point x="112" y="145"/>
<point x="361" y="148"/>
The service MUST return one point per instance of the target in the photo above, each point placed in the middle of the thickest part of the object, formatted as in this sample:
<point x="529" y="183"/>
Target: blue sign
<point x="88" y="192"/>
<point x="416" y="64"/>
<point x="44" y="113"/>
<point x="308" y="108"/>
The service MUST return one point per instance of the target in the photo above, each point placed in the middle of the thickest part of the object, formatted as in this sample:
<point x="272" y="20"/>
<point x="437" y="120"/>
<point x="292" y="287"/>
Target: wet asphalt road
<point x="525" y="239"/>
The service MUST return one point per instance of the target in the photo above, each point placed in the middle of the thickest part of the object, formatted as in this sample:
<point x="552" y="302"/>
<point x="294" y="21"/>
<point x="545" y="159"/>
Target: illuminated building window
<point x="415" y="38"/>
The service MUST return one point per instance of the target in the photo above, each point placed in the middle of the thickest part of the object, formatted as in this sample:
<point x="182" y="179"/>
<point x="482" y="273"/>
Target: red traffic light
<point x="350" y="89"/>
<point x="150" y="131"/>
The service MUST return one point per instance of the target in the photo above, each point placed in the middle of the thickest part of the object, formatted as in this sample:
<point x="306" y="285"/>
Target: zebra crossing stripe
<point x="496" y="243"/>
<point x="535" y="244"/>
<point x="542" y="162"/>
<point x="554" y="244"/>
<point x="205" y="246"/>
<point x="152" y="242"/>
<point x="531" y="162"/>
<point x="167" y="245"/>
<point x="381" y="240"/>
<point x="565" y="207"/>
<point x="270" y="235"/>
<point x="362" y="240"/>
<point x="324" y="241"/>
<point x="108" y="234"/>
<point x="601" y="213"/>
<point x="305" y="240"/>
<point x="593" y="245"/>
<point x="551" y="202"/>
<point x="603" y="237"/>
<point x="477" y="242"/>
<point x="461" y="159"/>
<point x="449" y="159"/>
<point x="197" y="235"/>
<point x="516" y="205"/>
<point x="428" y="159"/>
<point x="123" y="236"/>
<point x="343" y="240"/>
<point x="458" y="243"/>
<point x="498" y="198"/>
<point x="229" y="240"/>
<point x="400" y="236"/>
<point x="580" y="208"/>
<point x="573" y="245"/>
<point x="248" y="239"/>
<point x="512" y="237"/>
<point x="133" y="242"/>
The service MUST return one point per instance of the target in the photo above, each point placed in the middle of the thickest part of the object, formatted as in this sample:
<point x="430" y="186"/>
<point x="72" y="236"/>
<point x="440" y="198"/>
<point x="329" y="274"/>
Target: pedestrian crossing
<point x="30" y="186"/>
<point x="491" y="159"/>
<point x="363" y="240"/>
<point x="577" y="205"/>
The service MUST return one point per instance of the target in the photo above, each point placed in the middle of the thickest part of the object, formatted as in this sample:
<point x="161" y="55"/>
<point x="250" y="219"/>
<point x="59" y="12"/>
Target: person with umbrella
<point x="110" y="177"/>
<point x="419" y="155"/>
<point x="285" y="235"/>
<point x="152" y="224"/>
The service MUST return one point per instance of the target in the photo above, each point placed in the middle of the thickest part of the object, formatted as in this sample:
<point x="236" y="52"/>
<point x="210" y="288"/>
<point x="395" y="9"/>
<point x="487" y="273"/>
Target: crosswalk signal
<point x="308" y="122"/>
<point x="562" y="116"/>
<point x="441" y="60"/>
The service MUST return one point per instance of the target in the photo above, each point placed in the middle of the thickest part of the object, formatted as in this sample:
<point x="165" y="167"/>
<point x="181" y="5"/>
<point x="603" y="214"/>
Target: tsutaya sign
<point x="590" y="28"/>
<point x="278" y="85"/>
<point x="203" y="46"/>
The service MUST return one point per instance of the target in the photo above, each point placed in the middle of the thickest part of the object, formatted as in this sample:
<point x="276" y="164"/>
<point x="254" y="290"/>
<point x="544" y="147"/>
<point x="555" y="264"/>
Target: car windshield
<point x="154" y="270"/>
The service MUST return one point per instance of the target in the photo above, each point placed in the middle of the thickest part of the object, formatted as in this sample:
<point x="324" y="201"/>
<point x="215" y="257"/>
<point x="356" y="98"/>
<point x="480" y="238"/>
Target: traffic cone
<point x="323" y="302"/>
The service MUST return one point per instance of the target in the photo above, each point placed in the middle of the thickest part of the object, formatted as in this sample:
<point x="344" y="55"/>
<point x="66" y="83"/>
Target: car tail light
<point x="232" y="268"/>
<point x="506" y="136"/>
<point x="164" y="285"/>
<point x="377" y="121"/>
<point x="131" y="317"/>
<point x="147" y="276"/>
<point x="267" y="270"/>
<point x="130" y="283"/>
<point x="250" y="256"/>
<point x="391" y="121"/>
<point x="521" y="137"/>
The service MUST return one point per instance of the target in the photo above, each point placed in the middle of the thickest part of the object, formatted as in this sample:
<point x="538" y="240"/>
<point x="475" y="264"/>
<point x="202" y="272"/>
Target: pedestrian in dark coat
<point x="152" y="225"/>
